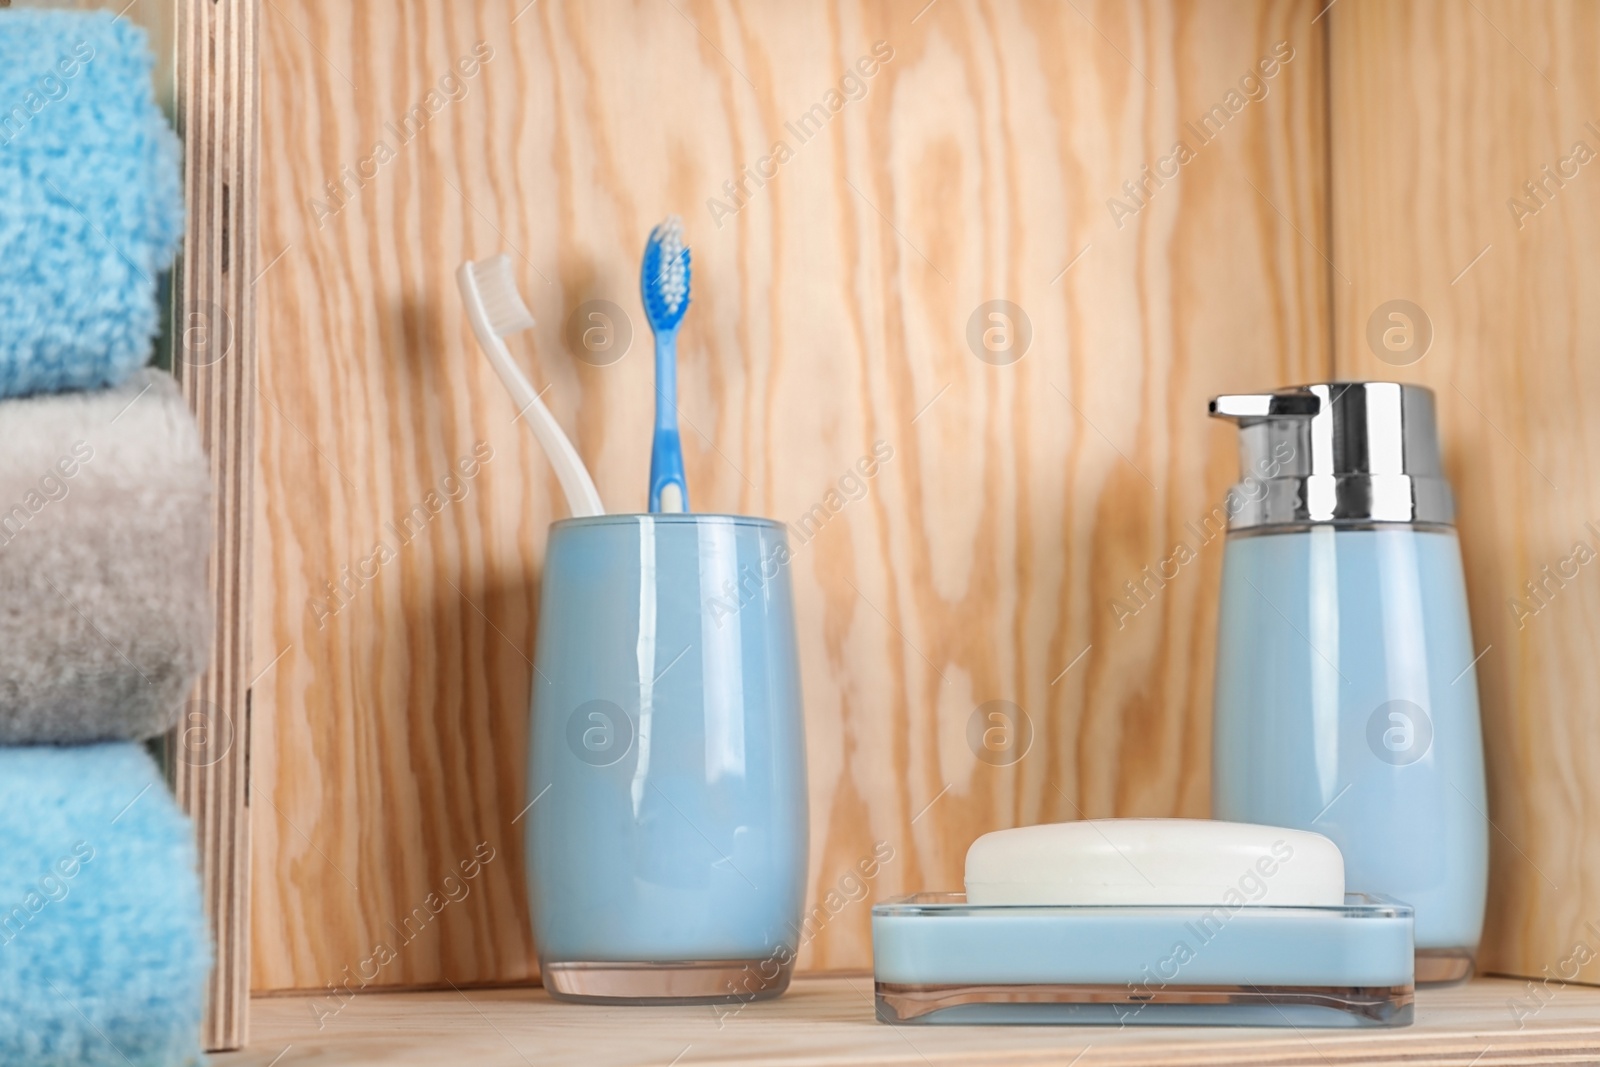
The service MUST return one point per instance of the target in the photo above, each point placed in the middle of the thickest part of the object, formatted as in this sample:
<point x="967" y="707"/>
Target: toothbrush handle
<point x="669" y="490"/>
<point x="666" y="472"/>
<point x="582" y="497"/>
<point x="667" y="380"/>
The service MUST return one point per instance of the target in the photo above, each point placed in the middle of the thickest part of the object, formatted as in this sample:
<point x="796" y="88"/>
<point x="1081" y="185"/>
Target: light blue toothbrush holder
<point x="667" y="845"/>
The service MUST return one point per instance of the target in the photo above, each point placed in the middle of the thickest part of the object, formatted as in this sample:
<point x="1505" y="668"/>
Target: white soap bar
<point x="1155" y="861"/>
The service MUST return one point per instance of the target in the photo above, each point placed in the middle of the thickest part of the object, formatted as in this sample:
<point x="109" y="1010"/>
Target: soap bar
<point x="1155" y="861"/>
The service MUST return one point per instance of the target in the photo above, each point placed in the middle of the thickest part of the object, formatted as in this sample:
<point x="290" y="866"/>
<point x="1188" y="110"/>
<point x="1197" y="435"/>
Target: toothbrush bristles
<point x="497" y="287"/>
<point x="672" y="282"/>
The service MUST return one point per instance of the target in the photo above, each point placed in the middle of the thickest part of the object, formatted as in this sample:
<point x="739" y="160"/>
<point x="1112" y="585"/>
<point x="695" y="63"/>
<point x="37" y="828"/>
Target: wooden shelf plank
<point x="830" y="1021"/>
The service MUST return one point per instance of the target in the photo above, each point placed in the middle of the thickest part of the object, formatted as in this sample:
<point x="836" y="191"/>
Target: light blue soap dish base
<point x="938" y="960"/>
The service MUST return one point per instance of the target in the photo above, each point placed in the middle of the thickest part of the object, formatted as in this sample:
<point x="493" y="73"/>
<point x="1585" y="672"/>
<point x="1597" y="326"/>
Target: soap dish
<point x="937" y="959"/>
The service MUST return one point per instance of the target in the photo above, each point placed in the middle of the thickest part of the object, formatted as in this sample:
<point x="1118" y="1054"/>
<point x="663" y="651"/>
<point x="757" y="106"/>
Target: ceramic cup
<point x="667" y="847"/>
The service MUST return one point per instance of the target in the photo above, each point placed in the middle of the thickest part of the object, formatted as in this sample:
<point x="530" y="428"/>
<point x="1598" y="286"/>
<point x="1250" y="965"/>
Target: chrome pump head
<point x="1348" y="454"/>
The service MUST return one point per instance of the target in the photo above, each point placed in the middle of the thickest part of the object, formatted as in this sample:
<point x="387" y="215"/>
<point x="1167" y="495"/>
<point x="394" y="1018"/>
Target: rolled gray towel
<point x="105" y="527"/>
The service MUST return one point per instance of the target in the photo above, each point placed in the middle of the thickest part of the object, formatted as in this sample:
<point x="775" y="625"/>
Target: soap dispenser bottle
<point x="1346" y="697"/>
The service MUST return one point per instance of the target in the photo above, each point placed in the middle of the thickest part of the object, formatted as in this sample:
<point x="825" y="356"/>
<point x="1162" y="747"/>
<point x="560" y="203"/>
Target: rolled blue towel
<point x="93" y="202"/>
<point x="103" y="948"/>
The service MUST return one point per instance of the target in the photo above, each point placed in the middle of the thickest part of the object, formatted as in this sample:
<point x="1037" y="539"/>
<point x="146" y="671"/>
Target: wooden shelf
<point x="830" y="1021"/>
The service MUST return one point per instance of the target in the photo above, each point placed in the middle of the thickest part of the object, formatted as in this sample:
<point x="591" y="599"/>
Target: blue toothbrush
<point x="664" y="284"/>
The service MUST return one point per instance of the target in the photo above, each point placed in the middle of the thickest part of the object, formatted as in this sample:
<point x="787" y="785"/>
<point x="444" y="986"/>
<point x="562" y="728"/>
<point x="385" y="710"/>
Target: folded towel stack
<point x="104" y="531"/>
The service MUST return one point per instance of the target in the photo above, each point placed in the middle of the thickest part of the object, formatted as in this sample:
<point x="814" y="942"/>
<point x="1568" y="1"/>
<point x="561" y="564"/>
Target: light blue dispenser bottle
<point x="1346" y="698"/>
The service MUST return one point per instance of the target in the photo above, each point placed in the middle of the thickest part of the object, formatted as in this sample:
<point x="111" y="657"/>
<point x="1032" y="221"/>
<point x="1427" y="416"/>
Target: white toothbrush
<point x="496" y="310"/>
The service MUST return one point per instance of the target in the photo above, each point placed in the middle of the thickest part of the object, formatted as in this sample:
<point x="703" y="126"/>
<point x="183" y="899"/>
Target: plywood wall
<point x="831" y="312"/>
<point x="1443" y="112"/>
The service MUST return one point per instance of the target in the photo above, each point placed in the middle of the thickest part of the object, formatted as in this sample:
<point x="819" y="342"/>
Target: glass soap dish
<point x="937" y="959"/>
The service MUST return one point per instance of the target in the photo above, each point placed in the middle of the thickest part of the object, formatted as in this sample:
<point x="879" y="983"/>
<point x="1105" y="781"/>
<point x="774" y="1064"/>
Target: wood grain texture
<point x="825" y="1021"/>
<point x="1492" y="94"/>
<point x="830" y="311"/>
<point x="214" y="357"/>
